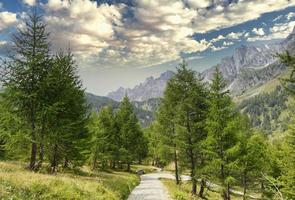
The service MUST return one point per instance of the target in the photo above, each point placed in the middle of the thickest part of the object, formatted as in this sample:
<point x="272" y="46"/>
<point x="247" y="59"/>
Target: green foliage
<point x="132" y="139"/>
<point x="43" y="102"/>
<point x="24" y="76"/>
<point x="181" y="118"/>
<point x="157" y="150"/>
<point x="287" y="166"/>
<point x="117" y="137"/>
<point x="264" y="110"/>
<point x="144" y="110"/>
<point x="222" y="142"/>
<point x="17" y="183"/>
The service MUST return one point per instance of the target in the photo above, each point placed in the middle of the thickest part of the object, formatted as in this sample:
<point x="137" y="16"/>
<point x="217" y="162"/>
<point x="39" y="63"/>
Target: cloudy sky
<point x="121" y="42"/>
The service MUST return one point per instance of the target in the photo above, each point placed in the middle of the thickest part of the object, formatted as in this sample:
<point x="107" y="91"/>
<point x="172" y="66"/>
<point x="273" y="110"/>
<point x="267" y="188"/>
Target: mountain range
<point x="249" y="72"/>
<point x="150" y="88"/>
<point x="248" y="67"/>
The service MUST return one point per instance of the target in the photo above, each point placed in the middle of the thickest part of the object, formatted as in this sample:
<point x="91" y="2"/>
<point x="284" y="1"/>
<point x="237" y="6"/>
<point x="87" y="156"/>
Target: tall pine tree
<point x="222" y="137"/>
<point x="24" y="75"/>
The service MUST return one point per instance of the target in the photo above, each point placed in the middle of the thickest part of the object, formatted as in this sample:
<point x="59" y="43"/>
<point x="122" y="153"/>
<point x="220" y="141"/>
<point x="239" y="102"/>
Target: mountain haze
<point x="150" y="88"/>
<point x="248" y="67"/>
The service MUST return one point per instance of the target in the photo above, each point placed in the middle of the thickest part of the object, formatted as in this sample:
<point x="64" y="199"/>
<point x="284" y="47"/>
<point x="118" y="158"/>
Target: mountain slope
<point x="248" y="67"/>
<point x="143" y="110"/>
<point x="150" y="88"/>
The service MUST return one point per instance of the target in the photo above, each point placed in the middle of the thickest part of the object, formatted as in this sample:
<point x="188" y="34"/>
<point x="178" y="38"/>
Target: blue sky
<point x="121" y="42"/>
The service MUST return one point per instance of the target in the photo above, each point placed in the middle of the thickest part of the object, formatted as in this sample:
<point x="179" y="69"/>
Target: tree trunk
<point x="41" y="148"/>
<point x="128" y="167"/>
<point x="66" y="163"/>
<point x="54" y="160"/>
<point x="176" y="165"/>
<point x="33" y="155"/>
<point x="228" y="192"/>
<point x="94" y="163"/>
<point x="202" y="188"/>
<point x="244" y="185"/>
<point x="193" y="175"/>
<point x="191" y="156"/>
<point x="34" y="146"/>
<point x="224" y="187"/>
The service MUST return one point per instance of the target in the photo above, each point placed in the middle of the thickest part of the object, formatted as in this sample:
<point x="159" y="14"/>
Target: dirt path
<point x="150" y="188"/>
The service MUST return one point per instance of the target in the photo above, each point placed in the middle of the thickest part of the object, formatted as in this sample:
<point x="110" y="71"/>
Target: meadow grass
<point x="18" y="183"/>
<point x="183" y="192"/>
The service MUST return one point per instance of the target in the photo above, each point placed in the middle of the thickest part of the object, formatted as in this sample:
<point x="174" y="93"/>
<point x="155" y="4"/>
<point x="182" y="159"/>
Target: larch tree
<point x="222" y="140"/>
<point x="66" y="113"/>
<point x="190" y="96"/>
<point x="24" y="74"/>
<point x="287" y="167"/>
<point x="131" y="135"/>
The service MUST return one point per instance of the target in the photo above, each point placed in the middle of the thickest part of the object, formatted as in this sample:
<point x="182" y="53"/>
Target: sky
<point x="122" y="42"/>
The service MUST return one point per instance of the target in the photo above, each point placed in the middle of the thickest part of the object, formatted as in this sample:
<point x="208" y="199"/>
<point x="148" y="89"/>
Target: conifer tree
<point x="167" y="123"/>
<point x="102" y="132"/>
<point x="65" y="113"/>
<point x="222" y="139"/>
<point x="131" y="135"/>
<point x="24" y="74"/>
<point x="250" y="167"/>
<point x="288" y="169"/>
<point x="191" y="105"/>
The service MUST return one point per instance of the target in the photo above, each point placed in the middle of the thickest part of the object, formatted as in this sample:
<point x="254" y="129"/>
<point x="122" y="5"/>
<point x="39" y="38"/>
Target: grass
<point x="264" y="88"/>
<point x="183" y="192"/>
<point x="17" y="183"/>
<point x="146" y="168"/>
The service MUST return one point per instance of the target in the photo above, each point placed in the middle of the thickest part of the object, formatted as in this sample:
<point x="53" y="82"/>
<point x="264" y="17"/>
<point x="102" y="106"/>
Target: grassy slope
<point x="18" y="183"/>
<point x="183" y="192"/>
<point x="265" y="88"/>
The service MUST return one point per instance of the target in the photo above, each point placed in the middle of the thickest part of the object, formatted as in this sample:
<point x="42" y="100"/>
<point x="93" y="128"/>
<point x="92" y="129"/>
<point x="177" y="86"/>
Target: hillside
<point x="150" y="88"/>
<point x="247" y="68"/>
<point x="18" y="183"/>
<point x="144" y="110"/>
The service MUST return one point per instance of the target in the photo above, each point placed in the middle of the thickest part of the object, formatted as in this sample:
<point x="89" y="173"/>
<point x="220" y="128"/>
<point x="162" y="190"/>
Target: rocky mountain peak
<point x="248" y="67"/>
<point x="150" y="88"/>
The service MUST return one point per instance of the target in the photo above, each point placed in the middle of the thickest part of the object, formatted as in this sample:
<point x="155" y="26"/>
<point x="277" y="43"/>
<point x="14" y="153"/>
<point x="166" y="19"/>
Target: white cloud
<point x="230" y="36"/>
<point x="258" y="31"/>
<point x="214" y="48"/>
<point x="223" y="15"/>
<point x="218" y="38"/>
<point x="227" y="43"/>
<point x="98" y="34"/>
<point x="3" y="42"/>
<point x="30" y="2"/>
<point x="7" y="19"/>
<point x="235" y="35"/>
<point x="194" y="58"/>
<point x="290" y="15"/>
<point x="278" y="18"/>
<point x="158" y="31"/>
<point x="199" y="3"/>
<point x="85" y="26"/>
<point x="278" y="31"/>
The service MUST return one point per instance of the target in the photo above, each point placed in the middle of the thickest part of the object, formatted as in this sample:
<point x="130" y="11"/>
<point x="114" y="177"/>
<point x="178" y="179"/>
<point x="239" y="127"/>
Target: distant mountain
<point x="251" y="66"/>
<point x="150" y="88"/>
<point x="144" y="110"/>
<point x="248" y="67"/>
